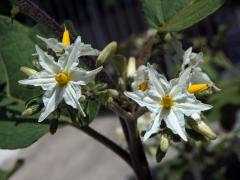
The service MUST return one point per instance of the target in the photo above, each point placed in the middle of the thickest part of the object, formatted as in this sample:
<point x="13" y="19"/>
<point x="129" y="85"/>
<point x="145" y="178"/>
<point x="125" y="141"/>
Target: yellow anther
<point x="167" y="102"/>
<point x="143" y="86"/>
<point x="196" y="88"/>
<point x="66" y="37"/>
<point x="62" y="78"/>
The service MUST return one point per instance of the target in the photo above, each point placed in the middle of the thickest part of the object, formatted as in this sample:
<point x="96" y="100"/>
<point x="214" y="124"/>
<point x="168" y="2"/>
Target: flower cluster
<point x="170" y="102"/>
<point x="62" y="79"/>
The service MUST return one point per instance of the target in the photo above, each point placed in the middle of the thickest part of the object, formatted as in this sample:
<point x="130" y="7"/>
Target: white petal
<point x="62" y="60"/>
<point x="71" y="97"/>
<point x="53" y="44"/>
<point x="150" y="104"/>
<point x="51" y="99"/>
<point x="155" y="81"/>
<point x="82" y="75"/>
<point x="72" y="60"/>
<point x="47" y="62"/>
<point x="196" y="117"/>
<point x="87" y="50"/>
<point x="186" y="58"/>
<point x="191" y="106"/>
<point x="176" y="122"/>
<point x="157" y="118"/>
<point x="181" y="84"/>
<point x="42" y="79"/>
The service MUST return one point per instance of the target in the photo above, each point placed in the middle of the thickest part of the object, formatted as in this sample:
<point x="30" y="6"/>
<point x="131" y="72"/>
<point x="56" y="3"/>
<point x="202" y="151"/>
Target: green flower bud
<point x="202" y="128"/>
<point x="32" y="110"/>
<point x="164" y="142"/>
<point x="113" y="92"/>
<point x="131" y="67"/>
<point x="28" y="71"/>
<point x="106" y="53"/>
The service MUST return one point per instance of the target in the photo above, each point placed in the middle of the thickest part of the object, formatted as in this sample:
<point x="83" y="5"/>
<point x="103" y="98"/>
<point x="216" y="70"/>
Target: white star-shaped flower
<point x="60" y="47"/>
<point x="140" y="82"/>
<point x="195" y="61"/>
<point x="61" y="80"/>
<point x="168" y="101"/>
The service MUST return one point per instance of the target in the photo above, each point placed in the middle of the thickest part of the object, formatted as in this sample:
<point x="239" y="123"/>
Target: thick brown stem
<point x="137" y="154"/>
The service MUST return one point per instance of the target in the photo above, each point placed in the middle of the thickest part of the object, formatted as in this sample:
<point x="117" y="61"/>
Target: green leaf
<point x="176" y="15"/>
<point x="14" y="136"/>
<point x="91" y="108"/>
<point x="17" y="47"/>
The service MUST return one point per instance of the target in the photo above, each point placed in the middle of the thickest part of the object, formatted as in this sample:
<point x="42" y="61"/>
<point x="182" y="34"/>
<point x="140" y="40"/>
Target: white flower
<point x="195" y="61"/>
<point x="140" y="82"/>
<point x="59" y="47"/>
<point x="61" y="80"/>
<point x="169" y="101"/>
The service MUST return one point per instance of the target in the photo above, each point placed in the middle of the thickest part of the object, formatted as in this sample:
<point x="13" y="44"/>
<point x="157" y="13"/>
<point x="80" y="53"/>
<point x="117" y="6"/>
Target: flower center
<point x="167" y="102"/>
<point x="62" y="78"/>
<point x="143" y="86"/>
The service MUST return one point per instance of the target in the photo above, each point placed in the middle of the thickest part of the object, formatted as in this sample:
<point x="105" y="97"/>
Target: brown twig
<point x="29" y="8"/>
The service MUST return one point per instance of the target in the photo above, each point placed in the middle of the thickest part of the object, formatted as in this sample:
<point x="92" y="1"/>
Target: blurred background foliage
<point x="101" y="21"/>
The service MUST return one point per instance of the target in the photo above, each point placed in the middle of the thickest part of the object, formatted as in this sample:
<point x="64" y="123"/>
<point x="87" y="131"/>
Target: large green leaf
<point x="16" y="49"/>
<point x="17" y="46"/>
<point x="176" y="15"/>
<point x="13" y="136"/>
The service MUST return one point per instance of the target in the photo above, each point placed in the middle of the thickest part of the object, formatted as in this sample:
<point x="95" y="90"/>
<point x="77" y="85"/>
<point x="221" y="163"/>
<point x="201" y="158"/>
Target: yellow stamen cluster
<point x="66" y="38"/>
<point x="143" y="86"/>
<point x="167" y="102"/>
<point x="62" y="78"/>
<point x="196" y="88"/>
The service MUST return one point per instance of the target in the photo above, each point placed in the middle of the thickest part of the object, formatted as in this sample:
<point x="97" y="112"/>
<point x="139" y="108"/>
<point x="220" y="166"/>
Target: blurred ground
<point x="71" y="155"/>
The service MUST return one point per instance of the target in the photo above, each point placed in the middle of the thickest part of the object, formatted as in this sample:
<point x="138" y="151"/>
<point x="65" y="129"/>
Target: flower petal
<point x="143" y="102"/>
<point x="47" y="62"/>
<point x="191" y="106"/>
<point x="71" y="97"/>
<point x="175" y="122"/>
<point x="180" y="84"/>
<point x="87" y="50"/>
<point x="78" y="74"/>
<point x="157" y="118"/>
<point x="52" y="97"/>
<point x="42" y="79"/>
<point x="53" y="44"/>
<point x="155" y="81"/>
<point x="72" y="60"/>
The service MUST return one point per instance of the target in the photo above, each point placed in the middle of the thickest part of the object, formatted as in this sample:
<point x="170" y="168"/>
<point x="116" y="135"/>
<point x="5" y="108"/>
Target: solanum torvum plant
<point x="157" y="106"/>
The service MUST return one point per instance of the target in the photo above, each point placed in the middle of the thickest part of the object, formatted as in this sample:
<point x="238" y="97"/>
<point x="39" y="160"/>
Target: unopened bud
<point x="109" y="100"/>
<point x="106" y="53"/>
<point x="28" y="71"/>
<point x="32" y="110"/>
<point x="131" y="67"/>
<point x="163" y="147"/>
<point x="164" y="142"/>
<point x="202" y="128"/>
<point x="113" y="92"/>
<point x="82" y="98"/>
